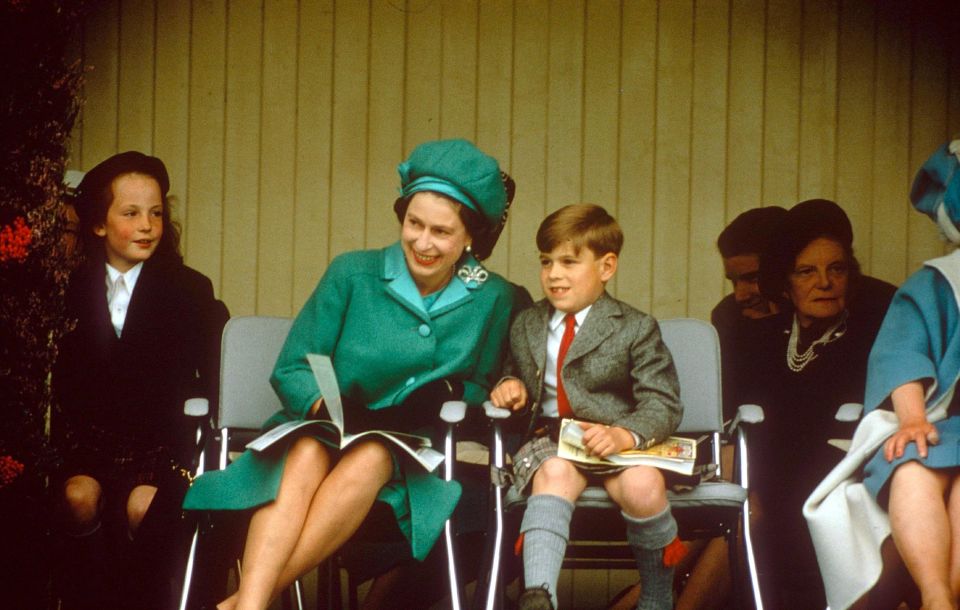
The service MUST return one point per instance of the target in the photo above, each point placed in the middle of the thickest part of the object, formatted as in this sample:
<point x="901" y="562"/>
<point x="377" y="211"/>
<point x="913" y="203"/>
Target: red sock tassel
<point x="674" y="553"/>
<point x="518" y="545"/>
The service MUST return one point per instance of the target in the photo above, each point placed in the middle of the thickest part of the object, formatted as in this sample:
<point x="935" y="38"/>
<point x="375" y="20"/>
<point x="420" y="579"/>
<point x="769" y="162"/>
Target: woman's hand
<point x="922" y="433"/>
<point x="509" y="394"/>
<point x="315" y="408"/>
<point x="601" y="440"/>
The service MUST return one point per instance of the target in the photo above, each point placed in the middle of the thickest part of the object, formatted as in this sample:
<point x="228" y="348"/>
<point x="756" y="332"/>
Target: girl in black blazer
<point x="146" y="338"/>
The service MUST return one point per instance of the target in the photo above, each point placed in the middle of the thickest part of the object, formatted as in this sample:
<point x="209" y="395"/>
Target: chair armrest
<point x="453" y="411"/>
<point x="747" y="414"/>
<point x="495" y="412"/>
<point x="196" y="407"/>
<point x="849" y="412"/>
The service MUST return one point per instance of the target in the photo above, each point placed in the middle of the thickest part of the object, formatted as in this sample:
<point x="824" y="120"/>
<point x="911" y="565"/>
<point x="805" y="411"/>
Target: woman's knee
<point x="138" y="502"/>
<point x="81" y="501"/>
<point x="307" y="454"/>
<point x="372" y="456"/>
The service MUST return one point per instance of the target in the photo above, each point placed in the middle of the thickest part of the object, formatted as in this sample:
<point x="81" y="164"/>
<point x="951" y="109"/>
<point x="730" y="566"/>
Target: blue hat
<point x="458" y="170"/>
<point x="936" y="190"/>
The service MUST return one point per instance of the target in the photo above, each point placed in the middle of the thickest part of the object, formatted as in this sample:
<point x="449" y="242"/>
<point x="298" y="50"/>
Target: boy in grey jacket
<point x="579" y="353"/>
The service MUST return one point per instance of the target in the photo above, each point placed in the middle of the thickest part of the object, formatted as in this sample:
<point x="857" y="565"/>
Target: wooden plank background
<point x="282" y="123"/>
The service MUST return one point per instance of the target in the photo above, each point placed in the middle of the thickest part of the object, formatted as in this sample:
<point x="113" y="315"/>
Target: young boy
<point x="580" y="353"/>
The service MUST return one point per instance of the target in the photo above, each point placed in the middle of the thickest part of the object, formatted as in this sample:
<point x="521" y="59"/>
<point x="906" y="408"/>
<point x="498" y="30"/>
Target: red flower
<point x="14" y="240"/>
<point x="10" y="469"/>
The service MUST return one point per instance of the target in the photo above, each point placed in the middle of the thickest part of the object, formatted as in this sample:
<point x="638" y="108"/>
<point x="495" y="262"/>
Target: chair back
<point x="696" y="353"/>
<point x="249" y="351"/>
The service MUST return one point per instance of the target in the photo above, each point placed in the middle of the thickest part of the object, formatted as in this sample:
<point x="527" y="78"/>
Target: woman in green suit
<point x="408" y="326"/>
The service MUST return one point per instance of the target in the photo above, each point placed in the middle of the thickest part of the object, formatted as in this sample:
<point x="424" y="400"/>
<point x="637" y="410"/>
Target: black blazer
<point x="135" y="385"/>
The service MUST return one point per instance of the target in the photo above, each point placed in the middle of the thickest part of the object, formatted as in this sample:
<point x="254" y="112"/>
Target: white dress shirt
<point x="119" y="290"/>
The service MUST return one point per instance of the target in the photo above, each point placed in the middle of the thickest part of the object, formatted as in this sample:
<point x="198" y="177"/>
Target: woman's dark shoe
<point x="535" y="598"/>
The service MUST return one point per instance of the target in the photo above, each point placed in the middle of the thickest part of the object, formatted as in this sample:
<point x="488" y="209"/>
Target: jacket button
<point x="424" y="330"/>
<point x="410" y="381"/>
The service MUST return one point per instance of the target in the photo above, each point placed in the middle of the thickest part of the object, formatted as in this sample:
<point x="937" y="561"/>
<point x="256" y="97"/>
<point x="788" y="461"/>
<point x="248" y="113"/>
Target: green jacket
<point x="368" y="316"/>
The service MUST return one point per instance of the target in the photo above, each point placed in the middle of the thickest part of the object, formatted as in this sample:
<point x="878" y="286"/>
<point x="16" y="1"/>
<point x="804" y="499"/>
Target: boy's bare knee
<point x="556" y="470"/>
<point x="138" y="502"/>
<point x="640" y="491"/>
<point x="82" y="495"/>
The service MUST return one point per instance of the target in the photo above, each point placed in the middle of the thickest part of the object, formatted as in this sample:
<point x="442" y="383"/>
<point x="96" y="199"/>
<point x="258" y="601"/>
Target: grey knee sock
<point x="648" y="537"/>
<point x="546" y="530"/>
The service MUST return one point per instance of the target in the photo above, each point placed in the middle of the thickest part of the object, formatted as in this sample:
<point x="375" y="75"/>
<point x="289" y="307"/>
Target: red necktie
<point x="563" y="403"/>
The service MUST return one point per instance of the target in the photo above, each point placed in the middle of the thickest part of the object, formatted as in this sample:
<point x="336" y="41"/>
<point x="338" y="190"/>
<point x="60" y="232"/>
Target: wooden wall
<point x="282" y="123"/>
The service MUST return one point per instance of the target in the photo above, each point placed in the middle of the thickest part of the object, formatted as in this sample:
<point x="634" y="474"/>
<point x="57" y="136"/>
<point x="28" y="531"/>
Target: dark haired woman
<point x="406" y="327"/>
<point x="801" y="365"/>
<point x="146" y="339"/>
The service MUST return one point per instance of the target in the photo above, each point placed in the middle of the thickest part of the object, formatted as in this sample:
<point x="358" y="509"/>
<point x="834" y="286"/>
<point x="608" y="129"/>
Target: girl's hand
<point x="920" y="432"/>
<point x="509" y="394"/>
<point x="601" y="440"/>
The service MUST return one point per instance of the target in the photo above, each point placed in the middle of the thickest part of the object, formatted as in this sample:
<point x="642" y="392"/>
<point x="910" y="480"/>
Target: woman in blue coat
<point x="406" y="327"/>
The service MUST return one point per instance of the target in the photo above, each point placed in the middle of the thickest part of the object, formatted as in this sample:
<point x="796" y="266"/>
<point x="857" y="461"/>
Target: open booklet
<point x="417" y="447"/>
<point x="675" y="453"/>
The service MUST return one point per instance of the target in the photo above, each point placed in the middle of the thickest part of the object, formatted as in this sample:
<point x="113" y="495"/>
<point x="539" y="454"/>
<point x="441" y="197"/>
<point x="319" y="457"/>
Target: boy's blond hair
<point x="582" y="224"/>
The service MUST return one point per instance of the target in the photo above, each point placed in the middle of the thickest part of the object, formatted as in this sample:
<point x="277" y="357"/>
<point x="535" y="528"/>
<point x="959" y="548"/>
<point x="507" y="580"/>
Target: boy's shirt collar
<point x="558" y="316"/>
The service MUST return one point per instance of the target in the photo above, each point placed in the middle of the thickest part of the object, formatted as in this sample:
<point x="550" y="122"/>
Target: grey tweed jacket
<point x="617" y="370"/>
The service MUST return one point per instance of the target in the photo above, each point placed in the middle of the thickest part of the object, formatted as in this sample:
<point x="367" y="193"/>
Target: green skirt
<point x="421" y="501"/>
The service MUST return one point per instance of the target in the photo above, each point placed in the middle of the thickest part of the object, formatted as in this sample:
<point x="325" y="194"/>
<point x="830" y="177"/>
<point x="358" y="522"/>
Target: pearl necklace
<point x="796" y="362"/>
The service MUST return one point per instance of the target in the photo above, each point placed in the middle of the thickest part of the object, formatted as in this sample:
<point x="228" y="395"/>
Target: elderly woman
<point x="801" y="365"/>
<point x="406" y="327"/>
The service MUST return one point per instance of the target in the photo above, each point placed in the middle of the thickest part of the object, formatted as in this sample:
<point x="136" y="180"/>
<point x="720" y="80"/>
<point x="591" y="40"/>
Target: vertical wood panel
<point x="350" y="73"/>
<point x="241" y="184"/>
<point x="672" y="173"/>
<point x="529" y="138"/>
<point x="601" y="101"/>
<point x="101" y="54"/>
<point x="676" y="116"/>
<point x="202" y="210"/>
<point x="565" y="103"/>
<point x="136" y="86"/>
<point x="277" y="158"/>
<point x="314" y="156"/>
<point x="458" y="79"/>
<point x="855" y="122"/>
<point x="423" y="69"/>
<point x="637" y="150"/>
<point x="818" y="101"/>
<point x="387" y="26"/>
<point x="781" y="137"/>
<point x="708" y="155"/>
<point x="891" y="144"/>
<point x="494" y="89"/>
<point x="745" y="125"/>
<point x="172" y="97"/>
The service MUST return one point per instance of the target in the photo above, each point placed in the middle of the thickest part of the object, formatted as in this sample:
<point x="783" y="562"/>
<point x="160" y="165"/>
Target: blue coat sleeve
<point x="909" y="345"/>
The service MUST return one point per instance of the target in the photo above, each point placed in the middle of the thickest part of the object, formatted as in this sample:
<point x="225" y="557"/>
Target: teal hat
<point x="936" y="190"/>
<point x="458" y="170"/>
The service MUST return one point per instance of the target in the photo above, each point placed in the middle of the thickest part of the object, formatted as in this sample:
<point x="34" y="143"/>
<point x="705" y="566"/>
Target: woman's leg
<point x="921" y="530"/>
<point x="313" y="524"/>
<point x="953" y="513"/>
<point x="82" y="496"/>
<point x="275" y="528"/>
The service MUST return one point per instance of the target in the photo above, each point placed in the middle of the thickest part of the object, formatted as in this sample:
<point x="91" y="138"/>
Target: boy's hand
<point x="922" y="433"/>
<point x="509" y="394"/>
<point x="601" y="440"/>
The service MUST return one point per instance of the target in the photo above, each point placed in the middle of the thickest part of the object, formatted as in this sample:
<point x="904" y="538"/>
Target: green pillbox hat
<point x="459" y="170"/>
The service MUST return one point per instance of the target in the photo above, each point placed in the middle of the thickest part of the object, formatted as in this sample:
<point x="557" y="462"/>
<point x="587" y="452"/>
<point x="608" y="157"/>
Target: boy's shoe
<point x="535" y="598"/>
